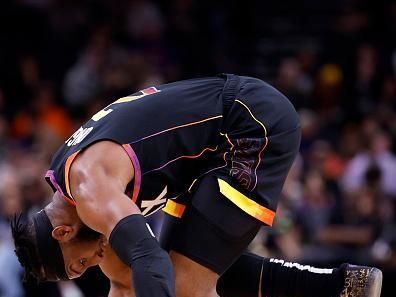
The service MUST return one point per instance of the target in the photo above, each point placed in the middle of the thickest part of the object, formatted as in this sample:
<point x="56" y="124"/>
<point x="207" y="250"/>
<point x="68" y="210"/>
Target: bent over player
<point x="216" y="151"/>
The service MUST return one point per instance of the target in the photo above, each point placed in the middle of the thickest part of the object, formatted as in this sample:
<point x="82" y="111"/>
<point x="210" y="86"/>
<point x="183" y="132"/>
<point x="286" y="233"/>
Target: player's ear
<point x="63" y="233"/>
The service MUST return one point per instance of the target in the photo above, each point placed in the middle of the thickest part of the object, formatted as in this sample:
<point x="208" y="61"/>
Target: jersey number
<point x="105" y="111"/>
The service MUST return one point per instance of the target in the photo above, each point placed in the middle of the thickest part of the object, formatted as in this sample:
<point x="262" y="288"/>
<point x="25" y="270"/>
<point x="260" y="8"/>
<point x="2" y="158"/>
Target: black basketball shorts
<point x="223" y="210"/>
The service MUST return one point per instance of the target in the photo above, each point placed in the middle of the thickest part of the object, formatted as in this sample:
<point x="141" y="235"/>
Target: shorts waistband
<point x="230" y="90"/>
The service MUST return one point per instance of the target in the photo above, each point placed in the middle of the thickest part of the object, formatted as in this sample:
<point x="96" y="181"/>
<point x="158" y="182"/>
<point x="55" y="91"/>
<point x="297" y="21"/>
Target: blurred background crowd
<point x="62" y="60"/>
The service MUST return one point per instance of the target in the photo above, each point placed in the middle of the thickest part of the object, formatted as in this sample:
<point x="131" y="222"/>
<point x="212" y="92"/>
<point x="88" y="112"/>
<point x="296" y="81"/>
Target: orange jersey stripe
<point x="184" y="157"/>
<point x="174" y="209"/>
<point x="69" y="161"/>
<point x="178" y="127"/>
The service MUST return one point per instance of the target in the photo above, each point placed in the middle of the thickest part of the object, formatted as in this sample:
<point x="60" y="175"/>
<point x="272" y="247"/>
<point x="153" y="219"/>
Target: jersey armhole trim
<point x="137" y="172"/>
<point x="135" y="162"/>
<point x="68" y="164"/>
<point x="50" y="176"/>
<point x="249" y="206"/>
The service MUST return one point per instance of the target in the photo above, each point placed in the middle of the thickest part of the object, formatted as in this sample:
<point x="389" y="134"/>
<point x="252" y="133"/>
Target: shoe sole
<point x="376" y="283"/>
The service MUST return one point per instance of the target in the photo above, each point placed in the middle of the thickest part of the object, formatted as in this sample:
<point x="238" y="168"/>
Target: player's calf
<point x="252" y="274"/>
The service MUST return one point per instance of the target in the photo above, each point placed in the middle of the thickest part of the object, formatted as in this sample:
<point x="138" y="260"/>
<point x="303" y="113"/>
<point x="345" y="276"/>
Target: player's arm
<point x="98" y="179"/>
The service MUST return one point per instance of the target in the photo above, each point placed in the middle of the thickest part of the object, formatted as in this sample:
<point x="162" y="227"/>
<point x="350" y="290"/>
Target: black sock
<point x="242" y="278"/>
<point x="279" y="278"/>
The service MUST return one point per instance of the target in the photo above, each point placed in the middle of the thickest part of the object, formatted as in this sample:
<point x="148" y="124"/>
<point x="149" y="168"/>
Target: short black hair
<point x="24" y="234"/>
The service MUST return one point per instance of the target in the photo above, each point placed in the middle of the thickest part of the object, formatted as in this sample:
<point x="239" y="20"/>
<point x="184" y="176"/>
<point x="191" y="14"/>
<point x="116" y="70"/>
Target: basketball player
<point x="216" y="152"/>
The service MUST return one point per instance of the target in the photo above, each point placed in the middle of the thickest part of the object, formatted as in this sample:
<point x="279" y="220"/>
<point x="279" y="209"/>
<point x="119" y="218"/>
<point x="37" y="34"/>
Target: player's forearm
<point x="151" y="266"/>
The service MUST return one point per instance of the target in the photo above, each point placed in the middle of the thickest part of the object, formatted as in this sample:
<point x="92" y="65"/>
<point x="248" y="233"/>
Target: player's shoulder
<point x="104" y="155"/>
<point x="101" y="152"/>
<point x="191" y="81"/>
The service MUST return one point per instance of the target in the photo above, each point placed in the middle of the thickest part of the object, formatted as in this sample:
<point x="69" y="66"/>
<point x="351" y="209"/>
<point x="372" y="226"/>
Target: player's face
<point x="85" y="250"/>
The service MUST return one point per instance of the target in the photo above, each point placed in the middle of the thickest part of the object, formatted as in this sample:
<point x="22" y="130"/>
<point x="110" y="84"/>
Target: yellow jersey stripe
<point x="247" y="205"/>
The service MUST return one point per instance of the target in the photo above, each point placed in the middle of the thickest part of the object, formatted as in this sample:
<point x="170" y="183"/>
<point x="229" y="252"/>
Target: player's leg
<point x="228" y="206"/>
<point x="193" y="279"/>
<point x="251" y="274"/>
<point x="189" y="275"/>
<point x="205" y="241"/>
<point x="205" y="250"/>
<point x="258" y="170"/>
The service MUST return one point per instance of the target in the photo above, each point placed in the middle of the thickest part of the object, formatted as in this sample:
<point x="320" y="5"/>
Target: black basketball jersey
<point x="171" y="133"/>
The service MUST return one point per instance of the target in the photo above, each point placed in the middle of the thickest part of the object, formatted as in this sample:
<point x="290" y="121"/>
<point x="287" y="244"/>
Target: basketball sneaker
<point x="362" y="281"/>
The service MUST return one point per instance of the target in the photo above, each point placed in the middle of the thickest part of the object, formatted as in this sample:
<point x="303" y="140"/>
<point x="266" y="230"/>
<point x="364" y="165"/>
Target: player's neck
<point x="62" y="213"/>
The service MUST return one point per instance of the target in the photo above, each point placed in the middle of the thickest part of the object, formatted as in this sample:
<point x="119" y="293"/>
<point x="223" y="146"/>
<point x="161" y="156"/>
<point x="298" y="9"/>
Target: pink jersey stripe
<point x="137" y="172"/>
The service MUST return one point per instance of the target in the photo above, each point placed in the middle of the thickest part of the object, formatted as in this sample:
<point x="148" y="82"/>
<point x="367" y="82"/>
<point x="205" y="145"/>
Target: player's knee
<point x="187" y="287"/>
<point x="184" y="287"/>
<point x="191" y="278"/>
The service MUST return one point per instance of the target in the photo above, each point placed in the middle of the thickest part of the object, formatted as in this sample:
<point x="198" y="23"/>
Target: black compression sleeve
<point x="151" y="266"/>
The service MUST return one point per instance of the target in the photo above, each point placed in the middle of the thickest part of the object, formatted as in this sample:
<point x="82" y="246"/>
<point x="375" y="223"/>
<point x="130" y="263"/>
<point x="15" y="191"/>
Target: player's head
<point x="52" y="252"/>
